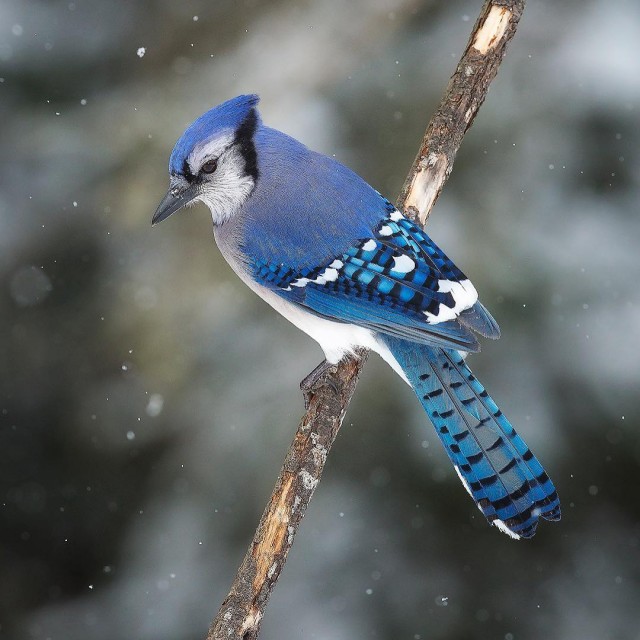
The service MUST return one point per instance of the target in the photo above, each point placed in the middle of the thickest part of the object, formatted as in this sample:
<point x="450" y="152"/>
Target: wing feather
<point x="397" y="281"/>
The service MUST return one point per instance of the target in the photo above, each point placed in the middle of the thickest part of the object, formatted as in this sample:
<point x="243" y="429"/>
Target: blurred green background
<point x="147" y="397"/>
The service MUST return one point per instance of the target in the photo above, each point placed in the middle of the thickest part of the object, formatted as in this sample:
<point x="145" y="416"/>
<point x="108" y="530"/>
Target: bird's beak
<point x="180" y="194"/>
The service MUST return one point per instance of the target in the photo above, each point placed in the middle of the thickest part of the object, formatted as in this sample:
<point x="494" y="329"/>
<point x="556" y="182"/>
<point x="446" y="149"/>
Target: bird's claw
<point x="321" y="375"/>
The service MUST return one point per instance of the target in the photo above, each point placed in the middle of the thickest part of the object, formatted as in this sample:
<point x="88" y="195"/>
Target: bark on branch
<point x="327" y="399"/>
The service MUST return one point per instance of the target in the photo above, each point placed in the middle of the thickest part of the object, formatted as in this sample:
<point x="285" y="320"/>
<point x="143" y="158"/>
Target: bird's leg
<point x="320" y="375"/>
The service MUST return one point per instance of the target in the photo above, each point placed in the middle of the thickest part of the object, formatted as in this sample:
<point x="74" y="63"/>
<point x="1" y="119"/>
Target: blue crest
<point x="226" y="116"/>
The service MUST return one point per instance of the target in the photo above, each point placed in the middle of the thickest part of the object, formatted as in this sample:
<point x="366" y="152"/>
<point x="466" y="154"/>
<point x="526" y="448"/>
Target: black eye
<point x="209" y="166"/>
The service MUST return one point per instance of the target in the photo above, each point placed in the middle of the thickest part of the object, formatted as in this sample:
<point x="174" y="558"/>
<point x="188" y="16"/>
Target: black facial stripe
<point x="244" y="140"/>
<point x="186" y="171"/>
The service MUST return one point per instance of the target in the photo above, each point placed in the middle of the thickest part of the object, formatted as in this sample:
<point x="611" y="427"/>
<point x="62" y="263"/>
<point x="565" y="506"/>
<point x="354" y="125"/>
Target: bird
<point x="344" y="265"/>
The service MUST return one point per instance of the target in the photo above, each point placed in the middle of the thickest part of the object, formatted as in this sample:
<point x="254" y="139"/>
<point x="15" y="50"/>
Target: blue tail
<point x="496" y="467"/>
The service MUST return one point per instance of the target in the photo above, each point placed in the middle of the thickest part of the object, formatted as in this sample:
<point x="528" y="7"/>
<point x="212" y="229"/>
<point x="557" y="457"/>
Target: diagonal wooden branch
<point x="464" y="95"/>
<point x="329" y="395"/>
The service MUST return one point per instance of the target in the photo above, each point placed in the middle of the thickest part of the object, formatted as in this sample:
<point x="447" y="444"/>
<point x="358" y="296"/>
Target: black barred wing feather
<point x="396" y="282"/>
<point x="405" y="235"/>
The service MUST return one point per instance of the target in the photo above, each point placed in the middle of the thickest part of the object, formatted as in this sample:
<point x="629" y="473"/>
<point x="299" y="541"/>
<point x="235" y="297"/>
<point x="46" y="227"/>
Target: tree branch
<point x="329" y="395"/>
<point x="464" y="95"/>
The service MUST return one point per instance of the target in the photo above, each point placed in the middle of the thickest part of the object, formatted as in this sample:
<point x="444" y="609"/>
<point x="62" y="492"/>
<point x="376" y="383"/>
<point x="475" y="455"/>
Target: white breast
<point x="336" y="339"/>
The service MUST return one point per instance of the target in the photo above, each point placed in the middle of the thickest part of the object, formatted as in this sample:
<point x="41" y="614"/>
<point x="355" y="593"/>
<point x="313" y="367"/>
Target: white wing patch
<point x="464" y="296"/>
<point x="403" y="264"/>
<point x="330" y="274"/>
<point x="369" y="245"/>
<point x="300" y="282"/>
<point x="385" y="230"/>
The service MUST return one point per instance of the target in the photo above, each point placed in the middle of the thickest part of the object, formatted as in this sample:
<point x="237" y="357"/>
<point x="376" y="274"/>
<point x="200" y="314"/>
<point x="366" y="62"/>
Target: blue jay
<point x="339" y="261"/>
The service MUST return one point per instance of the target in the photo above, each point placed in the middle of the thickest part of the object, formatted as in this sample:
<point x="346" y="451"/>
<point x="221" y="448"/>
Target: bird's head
<point x="214" y="161"/>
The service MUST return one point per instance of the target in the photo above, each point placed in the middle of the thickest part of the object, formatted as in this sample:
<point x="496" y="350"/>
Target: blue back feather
<point x="306" y="207"/>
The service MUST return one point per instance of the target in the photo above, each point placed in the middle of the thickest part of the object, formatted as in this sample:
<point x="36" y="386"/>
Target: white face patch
<point x="464" y="296"/>
<point x="209" y="149"/>
<point x="503" y="527"/>
<point x="403" y="264"/>
<point x="226" y="189"/>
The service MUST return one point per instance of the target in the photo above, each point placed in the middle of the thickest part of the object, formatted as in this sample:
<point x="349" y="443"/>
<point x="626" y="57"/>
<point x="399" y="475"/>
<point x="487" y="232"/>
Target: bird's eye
<point x="209" y="166"/>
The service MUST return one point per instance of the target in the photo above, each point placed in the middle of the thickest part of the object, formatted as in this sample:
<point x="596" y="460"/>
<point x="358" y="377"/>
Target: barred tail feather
<point x="495" y="465"/>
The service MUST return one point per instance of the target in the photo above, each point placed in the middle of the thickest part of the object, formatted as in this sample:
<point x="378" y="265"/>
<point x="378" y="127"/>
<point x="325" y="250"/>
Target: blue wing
<point x="395" y="281"/>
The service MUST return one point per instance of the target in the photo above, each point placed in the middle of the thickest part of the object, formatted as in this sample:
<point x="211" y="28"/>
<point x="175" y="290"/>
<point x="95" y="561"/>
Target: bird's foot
<point x="322" y="374"/>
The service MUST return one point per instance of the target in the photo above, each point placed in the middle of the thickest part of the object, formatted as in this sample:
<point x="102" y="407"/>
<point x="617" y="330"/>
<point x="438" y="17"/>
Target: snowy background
<point x="147" y="398"/>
